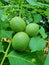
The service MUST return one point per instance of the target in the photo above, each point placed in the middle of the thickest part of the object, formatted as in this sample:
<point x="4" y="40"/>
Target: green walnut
<point x="20" y="41"/>
<point x="17" y="24"/>
<point x="32" y="29"/>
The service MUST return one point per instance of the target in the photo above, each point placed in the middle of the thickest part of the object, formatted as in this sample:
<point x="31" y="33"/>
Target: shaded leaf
<point x="1" y="47"/>
<point x="47" y="1"/>
<point x="4" y="24"/>
<point x="3" y="17"/>
<point x="1" y="13"/>
<point x="17" y="58"/>
<point x="6" y="34"/>
<point x="47" y="60"/>
<point x="0" y="3"/>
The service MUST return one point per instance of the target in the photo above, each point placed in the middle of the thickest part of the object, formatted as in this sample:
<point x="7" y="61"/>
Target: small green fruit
<point x="32" y="29"/>
<point x="17" y="24"/>
<point x="20" y="41"/>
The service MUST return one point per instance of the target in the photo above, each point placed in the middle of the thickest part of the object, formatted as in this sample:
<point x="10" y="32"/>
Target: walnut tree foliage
<point x="31" y="11"/>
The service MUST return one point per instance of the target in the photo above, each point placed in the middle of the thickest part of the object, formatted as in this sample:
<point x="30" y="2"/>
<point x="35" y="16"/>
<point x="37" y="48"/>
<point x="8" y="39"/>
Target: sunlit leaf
<point x="36" y="44"/>
<point x="4" y="17"/>
<point x="31" y="2"/>
<point x="6" y="0"/>
<point x="37" y="18"/>
<point x="42" y="32"/>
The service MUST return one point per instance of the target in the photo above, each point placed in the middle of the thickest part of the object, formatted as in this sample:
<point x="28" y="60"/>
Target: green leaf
<point x="47" y="1"/>
<point x="35" y="3"/>
<point x="47" y="60"/>
<point x="42" y="32"/>
<point x="4" y="24"/>
<point x="4" y="17"/>
<point x="0" y="4"/>
<point x="47" y="13"/>
<point x="1" y="47"/>
<point x="31" y="2"/>
<point x="37" y="18"/>
<point x="36" y="44"/>
<point x="1" y="13"/>
<point x="6" y="34"/>
<point x="6" y="0"/>
<point x="17" y="58"/>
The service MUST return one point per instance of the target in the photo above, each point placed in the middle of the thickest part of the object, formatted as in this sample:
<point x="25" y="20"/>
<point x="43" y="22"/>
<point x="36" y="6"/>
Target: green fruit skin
<point x="17" y="24"/>
<point x="20" y="41"/>
<point x="32" y="29"/>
